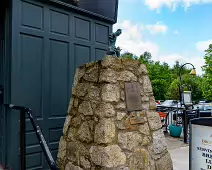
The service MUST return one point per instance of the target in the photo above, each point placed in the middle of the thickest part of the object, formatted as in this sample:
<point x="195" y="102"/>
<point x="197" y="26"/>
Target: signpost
<point x="200" y="150"/>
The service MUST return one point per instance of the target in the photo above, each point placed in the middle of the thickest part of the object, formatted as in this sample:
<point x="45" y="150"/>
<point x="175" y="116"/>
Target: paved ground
<point x="179" y="153"/>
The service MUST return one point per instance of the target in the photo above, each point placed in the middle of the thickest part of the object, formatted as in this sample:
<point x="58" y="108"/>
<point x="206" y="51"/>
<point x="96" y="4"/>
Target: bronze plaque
<point x="133" y="97"/>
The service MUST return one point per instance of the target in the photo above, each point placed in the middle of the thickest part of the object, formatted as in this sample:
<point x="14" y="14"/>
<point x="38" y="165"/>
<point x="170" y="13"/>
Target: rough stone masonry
<point x="99" y="134"/>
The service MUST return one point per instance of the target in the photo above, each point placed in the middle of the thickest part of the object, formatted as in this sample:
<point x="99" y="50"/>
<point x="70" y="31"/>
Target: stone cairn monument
<point x="112" y="123"/>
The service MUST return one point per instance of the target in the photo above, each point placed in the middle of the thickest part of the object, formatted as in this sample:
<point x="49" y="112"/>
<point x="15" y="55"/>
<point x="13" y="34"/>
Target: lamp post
<point x="193" y="72"/>
<point x="182" y="102"/>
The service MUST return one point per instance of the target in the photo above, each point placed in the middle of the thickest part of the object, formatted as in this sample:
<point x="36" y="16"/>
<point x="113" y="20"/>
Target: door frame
<point x="5" y="78"/>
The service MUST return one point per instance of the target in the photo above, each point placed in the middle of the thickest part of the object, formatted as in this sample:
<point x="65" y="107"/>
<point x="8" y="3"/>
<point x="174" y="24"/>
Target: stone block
<point x="147" y="86"/>
<point x="70" y="166"/>
<point x="84" y="133"/>
<point x="108" y="75"/>
<point x="105" y="131"/>
<point x="66" y="124"/>
<point x="120" y="115"/>
<point x="112" y="62"/>
<point x="109" y="156"/>
<point x="110" y="93"/>
<point x="62" y="149"/>
<point x="85" y="108"/>
<point x="144" y="129"/>
<point x="105" y="110"/>
<point x="126" y="76"/>
<point x="159" y="141"/>
<point x="129" y="140"/>
<point x="142" y="69"/>
<point x="92" y="74"/>
<point x="164" y="163"/>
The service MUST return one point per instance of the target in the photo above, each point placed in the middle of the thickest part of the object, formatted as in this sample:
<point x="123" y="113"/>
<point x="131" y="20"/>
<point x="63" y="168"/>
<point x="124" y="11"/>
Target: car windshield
<point x="167" y="103"/>
<point x="207" y="107"/>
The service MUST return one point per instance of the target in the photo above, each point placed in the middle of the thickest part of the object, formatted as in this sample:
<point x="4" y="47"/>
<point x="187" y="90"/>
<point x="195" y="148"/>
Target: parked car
<point x="170" y="103"/>
<point x="205" y="110"/>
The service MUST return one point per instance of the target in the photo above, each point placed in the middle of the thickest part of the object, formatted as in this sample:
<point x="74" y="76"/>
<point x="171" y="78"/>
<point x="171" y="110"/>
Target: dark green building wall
<point x="47" y="44"/>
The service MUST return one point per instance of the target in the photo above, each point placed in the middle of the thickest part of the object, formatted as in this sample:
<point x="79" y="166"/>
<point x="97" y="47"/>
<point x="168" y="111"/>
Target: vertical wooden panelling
<point x="51" y="44"/>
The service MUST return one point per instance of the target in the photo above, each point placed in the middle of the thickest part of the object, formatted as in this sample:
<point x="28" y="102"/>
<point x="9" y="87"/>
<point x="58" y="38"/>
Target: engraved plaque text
<point x="133" y="97"/>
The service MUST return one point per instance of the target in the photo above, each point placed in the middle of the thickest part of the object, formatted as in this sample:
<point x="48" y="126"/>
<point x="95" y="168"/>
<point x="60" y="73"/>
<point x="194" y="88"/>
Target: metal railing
<point x="39" y="134"/>
<point x="187" y="115"/>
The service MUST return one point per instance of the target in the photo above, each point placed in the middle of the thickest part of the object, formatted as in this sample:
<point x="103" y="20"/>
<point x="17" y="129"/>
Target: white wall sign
<point x="201" y="147"/>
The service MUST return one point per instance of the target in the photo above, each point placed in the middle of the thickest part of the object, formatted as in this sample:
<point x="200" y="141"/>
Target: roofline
<point x="83" y="11"/>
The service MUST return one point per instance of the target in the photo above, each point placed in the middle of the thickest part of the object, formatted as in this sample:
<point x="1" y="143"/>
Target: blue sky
<point x="170" y="29"/>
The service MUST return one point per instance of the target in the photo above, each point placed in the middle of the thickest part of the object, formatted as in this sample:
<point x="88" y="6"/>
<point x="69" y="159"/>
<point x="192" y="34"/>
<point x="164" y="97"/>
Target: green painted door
<point x="4" y="27"/>
<point x="48" y="43"/>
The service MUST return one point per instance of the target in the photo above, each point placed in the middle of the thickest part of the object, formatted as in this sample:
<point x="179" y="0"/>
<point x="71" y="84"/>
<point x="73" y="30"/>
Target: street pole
<point x="185" y="116"/>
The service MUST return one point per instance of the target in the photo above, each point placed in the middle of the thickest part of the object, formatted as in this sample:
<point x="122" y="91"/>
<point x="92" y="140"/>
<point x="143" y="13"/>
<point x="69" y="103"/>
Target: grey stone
<point x="80" y="89"/>
<point x="120" y="115"/>
<point x="147" y="84"/>
<point x="140" y="80"/>
<point x="109" y="156"/>
<point x="105" y="110"/>
<point x="108" y="75"/>
<point x="136" y="161"/>
<point x="71" y="134"/>
<point x="91" y="124"/>
<point x="121" y="106"/>
<point x="120" y="125"/>
<point x="76" y="121"/>
<point x="84" y="133"/>
<point x="112" y="62"/>
<point x="76" y="102"/>
<point x="152" y="103"/>
<point x="145" y="106"/>
<point x="122" y="95"/>
<point x="105" y="131"/>
<point x="145" y="99"/>
<point x="62" y="149"/>
<point x="85" y="163"/>
<point x="92" y="74"/>
<point x="164" y="163"/>
<point x="144" y="129"/>
<point x="154" y="120"/>
<point x="126" y="76"/>
<point x="142" y="69"/>
<point x="130" y="64"/>
<point x="110" y="93"/>
<point x="85" y="108"/>
<point x="129" y="140"/>
<point x="159" y="141"/>
<point x="70" y="166"/>
<point x="66" y="124"/>
<point x="75" y="150"/>
<point x="146" y="141"/>
<point x="71" y="103"/>
<point x="93" y="93"/>
<point x="78" y="75"/>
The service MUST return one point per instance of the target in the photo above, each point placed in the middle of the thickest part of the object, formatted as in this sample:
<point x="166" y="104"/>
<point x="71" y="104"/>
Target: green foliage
<point x="165" y="80"/>
<point x="206" y="82"/>
<point x="127" y="55"/>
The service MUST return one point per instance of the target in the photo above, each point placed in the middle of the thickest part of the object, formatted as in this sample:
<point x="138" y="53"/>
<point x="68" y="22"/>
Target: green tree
<point x="206" y="83"/>
<point x="127" y="55"/>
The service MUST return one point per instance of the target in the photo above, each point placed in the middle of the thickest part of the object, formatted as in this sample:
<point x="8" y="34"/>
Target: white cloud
<point x="197" y="61"/>
<point x="132" y="40"/>
<point x="157" y="4"/>
<point x="203" y="45"/>
<point x="157" y="28"/>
